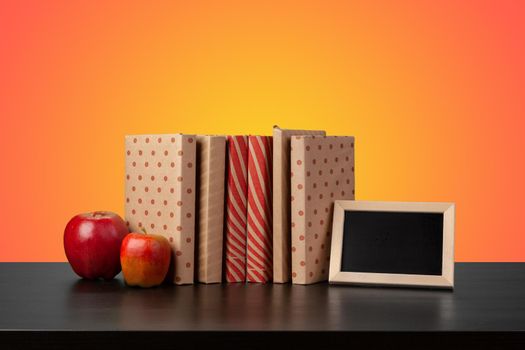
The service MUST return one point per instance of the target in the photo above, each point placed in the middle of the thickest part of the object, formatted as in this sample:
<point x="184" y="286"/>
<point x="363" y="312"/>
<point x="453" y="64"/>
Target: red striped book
<point x="236" y="209"/>
<point x="259" y="253"/>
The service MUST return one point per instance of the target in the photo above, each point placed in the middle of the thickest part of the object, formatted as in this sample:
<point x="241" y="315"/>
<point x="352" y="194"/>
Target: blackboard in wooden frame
<point x="393" y="243"/>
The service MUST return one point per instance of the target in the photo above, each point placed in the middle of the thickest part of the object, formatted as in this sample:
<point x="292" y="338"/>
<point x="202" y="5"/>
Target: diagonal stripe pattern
<point x="259" y="251"/>
<point x="236" y="209"/>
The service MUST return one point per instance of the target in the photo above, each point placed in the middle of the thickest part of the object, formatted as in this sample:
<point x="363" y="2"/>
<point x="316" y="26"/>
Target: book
<point x="236" y="209"/>
<point x="160" y="194"/>
<point x="211" y="161"/>
<point x="259" y="252"/>
<point x="322" y="171"/>
<point x="281" y="201"/>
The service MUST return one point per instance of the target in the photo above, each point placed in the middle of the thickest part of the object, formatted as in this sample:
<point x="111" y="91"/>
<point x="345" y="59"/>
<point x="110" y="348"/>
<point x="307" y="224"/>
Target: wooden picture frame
<point x="443" y="280"/>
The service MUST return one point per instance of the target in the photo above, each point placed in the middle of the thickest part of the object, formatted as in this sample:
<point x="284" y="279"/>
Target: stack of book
<point x="240" y="208"/>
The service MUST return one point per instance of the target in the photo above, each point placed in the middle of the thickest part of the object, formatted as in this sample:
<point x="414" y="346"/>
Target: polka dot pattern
<point x="282" y="199"/>
<point x="156" y="200"/>
<point x="325" y="174"/>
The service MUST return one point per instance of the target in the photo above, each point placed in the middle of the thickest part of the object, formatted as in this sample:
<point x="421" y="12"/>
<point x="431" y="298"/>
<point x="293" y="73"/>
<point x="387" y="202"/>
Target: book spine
<point x="211" y="155"/>
<point x="298" y="212"/>
<point x="260" y="241"/>
<point x="236" y="209"/>
<point x="281" y="202"/>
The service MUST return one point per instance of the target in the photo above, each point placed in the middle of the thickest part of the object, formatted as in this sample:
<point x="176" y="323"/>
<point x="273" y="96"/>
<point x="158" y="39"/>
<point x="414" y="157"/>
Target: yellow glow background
<point x="434" y="93"/>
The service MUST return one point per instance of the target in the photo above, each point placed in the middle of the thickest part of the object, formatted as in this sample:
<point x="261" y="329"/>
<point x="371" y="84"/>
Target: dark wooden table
<point x="46" y="305"/>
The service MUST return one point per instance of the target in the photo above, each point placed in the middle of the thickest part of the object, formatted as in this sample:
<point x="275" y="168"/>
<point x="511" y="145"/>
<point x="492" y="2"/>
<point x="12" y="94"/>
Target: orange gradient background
<point x="434" y="93"/>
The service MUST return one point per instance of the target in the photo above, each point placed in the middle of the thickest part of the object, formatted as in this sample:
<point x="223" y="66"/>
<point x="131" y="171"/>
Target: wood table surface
<point x="48" y="305"/>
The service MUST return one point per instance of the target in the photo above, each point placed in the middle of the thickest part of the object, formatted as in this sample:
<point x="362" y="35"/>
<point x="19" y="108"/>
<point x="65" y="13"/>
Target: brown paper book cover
<point x="281" y="201"/>
<point x="211" y="161"/>
<point x="160" y="194"/>
<point x="322" y="171"/>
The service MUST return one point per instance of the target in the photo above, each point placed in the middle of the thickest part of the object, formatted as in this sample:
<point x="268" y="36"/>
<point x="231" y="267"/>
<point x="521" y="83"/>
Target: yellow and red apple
<point x="145" y="259"/>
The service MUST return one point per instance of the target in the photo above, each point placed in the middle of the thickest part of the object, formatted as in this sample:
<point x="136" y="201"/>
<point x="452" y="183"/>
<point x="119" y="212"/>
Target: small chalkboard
<point x="393" y="243"/>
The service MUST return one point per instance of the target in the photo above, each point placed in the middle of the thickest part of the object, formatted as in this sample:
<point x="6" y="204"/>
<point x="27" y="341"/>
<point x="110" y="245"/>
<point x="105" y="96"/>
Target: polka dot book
<point x="322" y="171"/>
<point x="281" y="201"/>
<point x="160" y="194"/>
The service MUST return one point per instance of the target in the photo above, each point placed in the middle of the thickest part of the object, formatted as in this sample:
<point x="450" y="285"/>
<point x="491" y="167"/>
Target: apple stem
<point x="144" y="230"/>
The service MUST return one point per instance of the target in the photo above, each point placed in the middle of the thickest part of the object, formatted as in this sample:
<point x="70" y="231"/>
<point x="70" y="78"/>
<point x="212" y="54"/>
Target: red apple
<point x="145" y="259"/>
<point x="92" y="244"/>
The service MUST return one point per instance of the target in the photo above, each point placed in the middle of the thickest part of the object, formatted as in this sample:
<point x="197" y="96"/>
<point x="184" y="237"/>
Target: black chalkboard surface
<point x="392" y="242"/>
